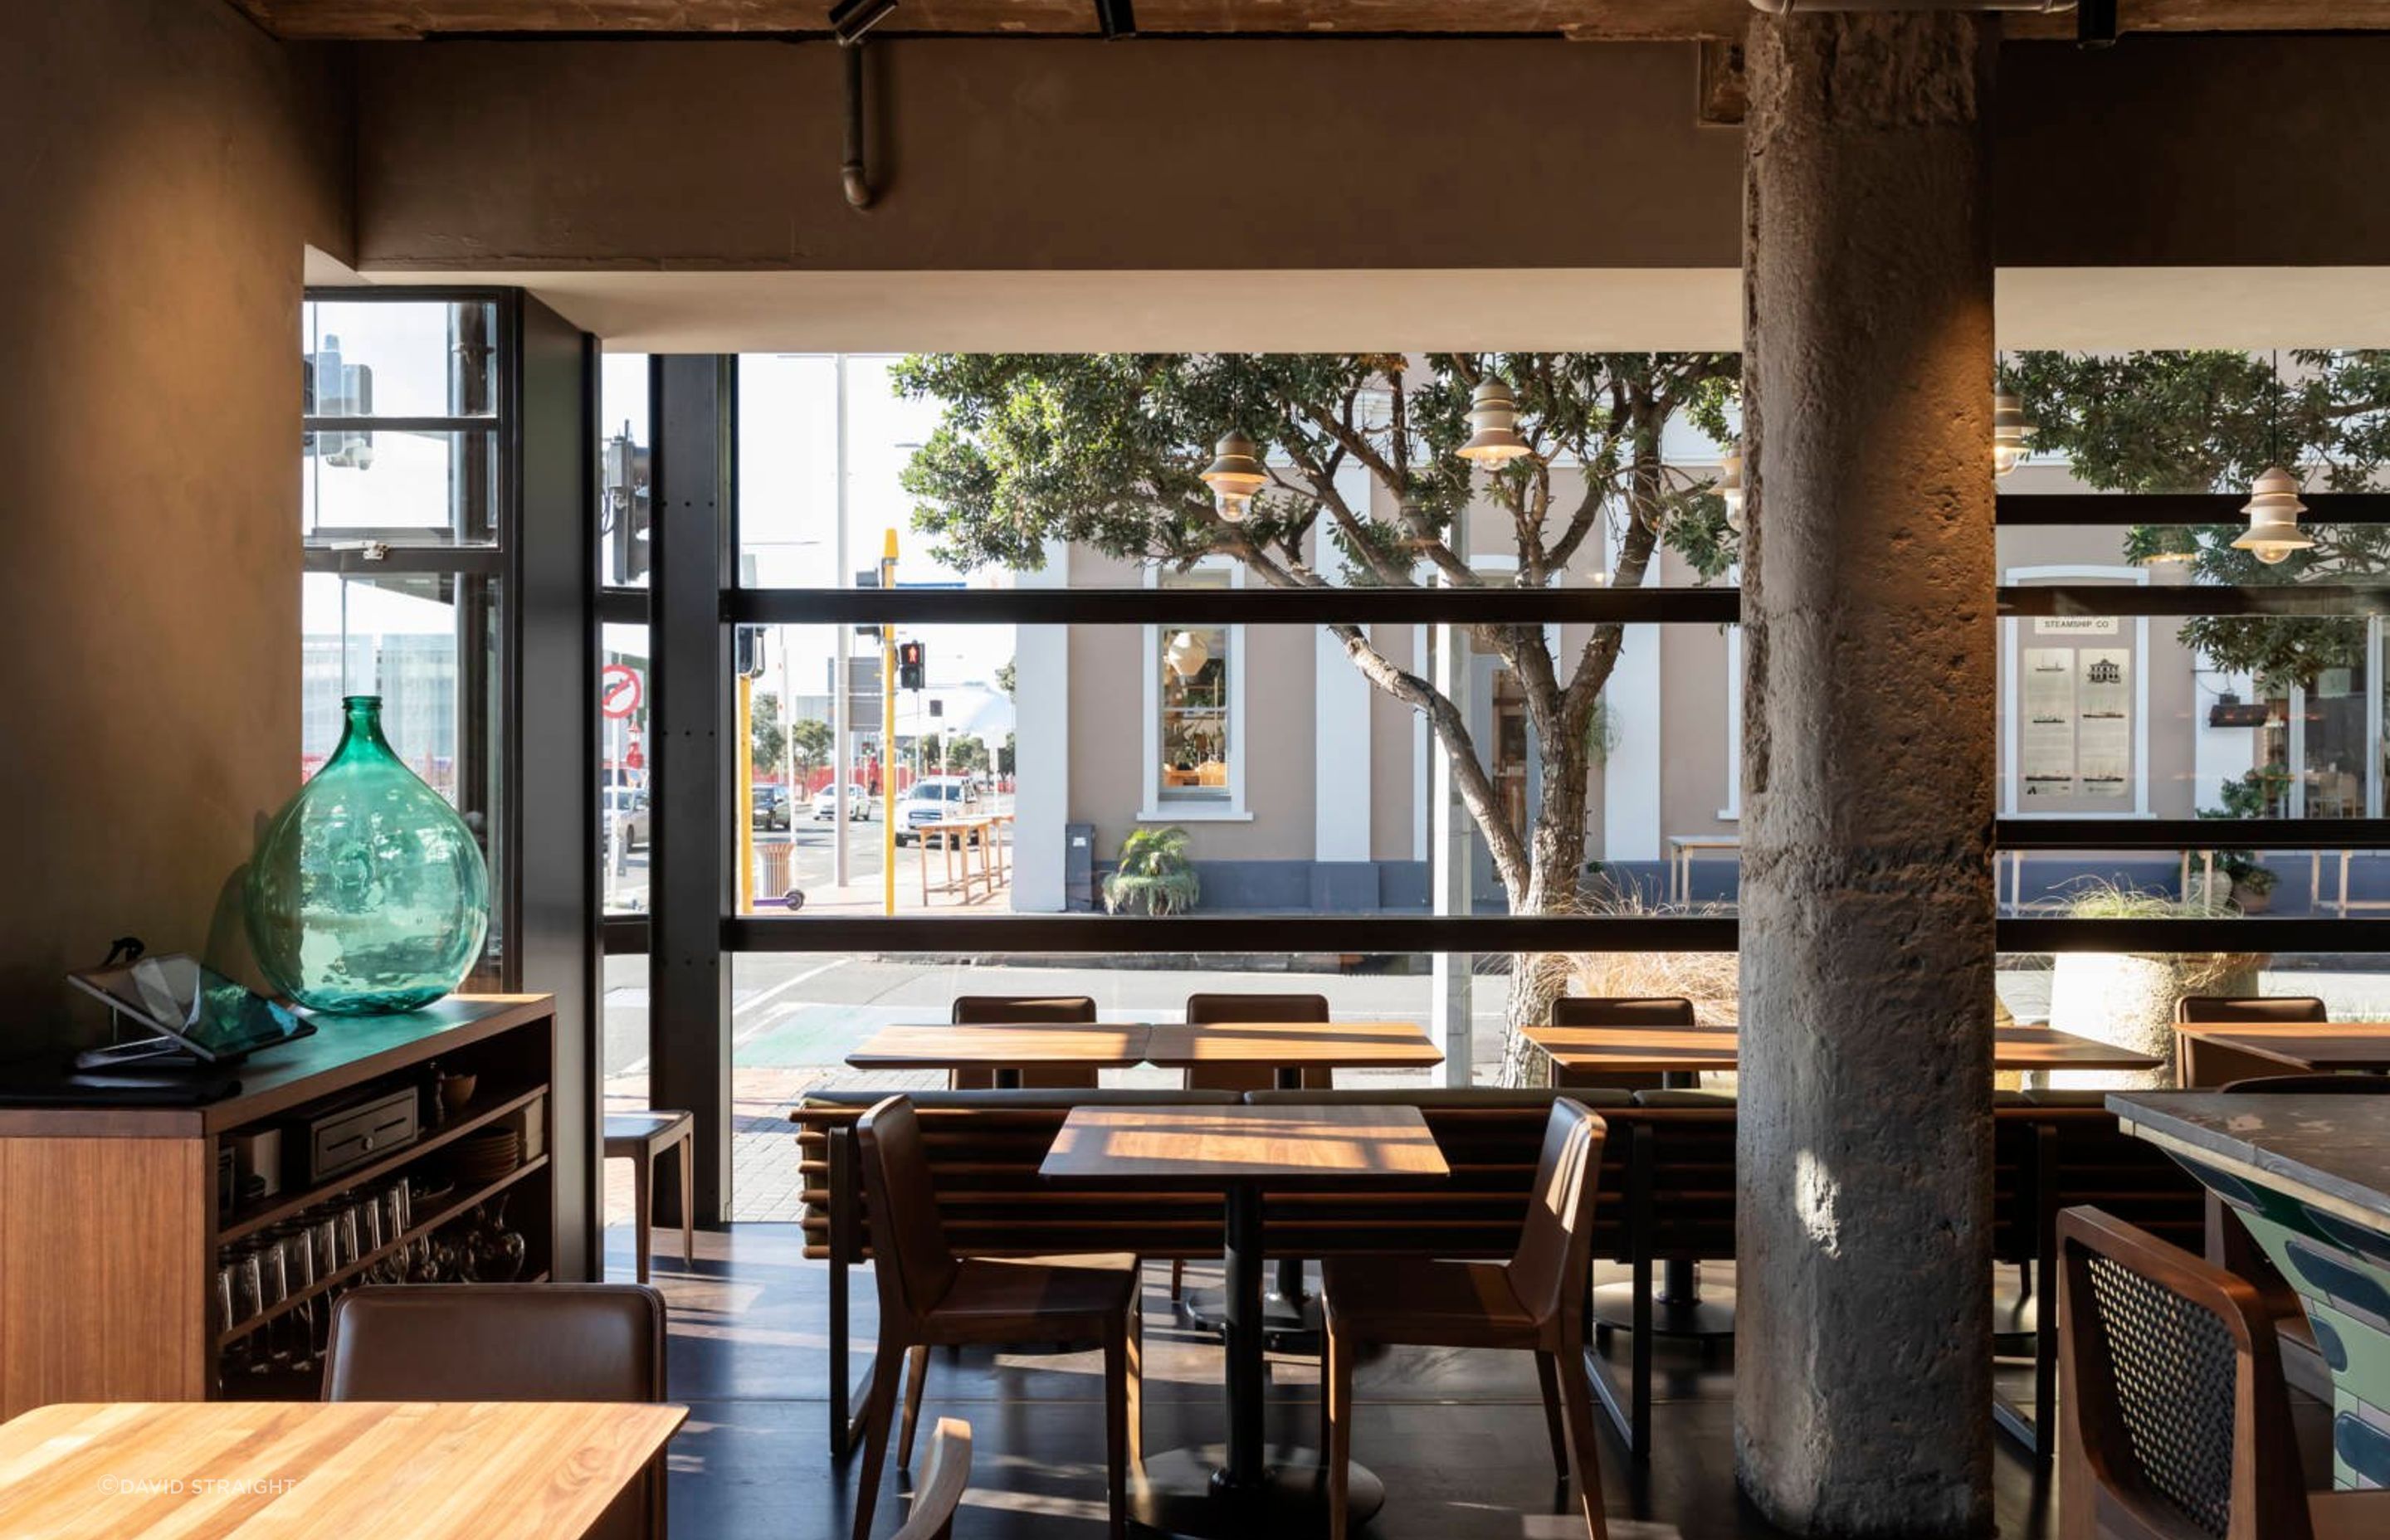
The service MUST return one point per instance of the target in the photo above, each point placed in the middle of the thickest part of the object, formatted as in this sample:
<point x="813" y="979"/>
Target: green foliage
<point x="1007" y="677"/>
<point x="1153" y="876"/>
<point x="765" y="741"/>
<point x="2248" y="796"/>
<point x="2210" y="421"/>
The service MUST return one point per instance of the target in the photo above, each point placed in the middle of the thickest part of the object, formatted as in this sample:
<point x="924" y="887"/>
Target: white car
<point x="858" y="806"/>
<point x="935" y="798"/>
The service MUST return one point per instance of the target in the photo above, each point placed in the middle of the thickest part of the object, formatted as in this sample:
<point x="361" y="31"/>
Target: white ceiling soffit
<point x="1554" y="309"/>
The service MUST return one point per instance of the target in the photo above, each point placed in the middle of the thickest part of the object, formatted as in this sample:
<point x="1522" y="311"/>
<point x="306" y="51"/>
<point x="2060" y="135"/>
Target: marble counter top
<point x="2337" y="1145"/>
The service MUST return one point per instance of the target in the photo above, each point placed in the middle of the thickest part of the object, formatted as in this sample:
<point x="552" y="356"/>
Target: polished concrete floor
<point x="1457" y="1438"/>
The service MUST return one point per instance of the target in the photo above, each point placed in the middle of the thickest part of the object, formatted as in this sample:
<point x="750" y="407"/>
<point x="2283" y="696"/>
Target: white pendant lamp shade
<point x="1235" y="474"/>
<point x="1730" y="487"/>
<point x="2011" y="432"/>
<point x="1493" y="425"/>
<point x="1187" y="655"/>
<point x="2273" y="509"/>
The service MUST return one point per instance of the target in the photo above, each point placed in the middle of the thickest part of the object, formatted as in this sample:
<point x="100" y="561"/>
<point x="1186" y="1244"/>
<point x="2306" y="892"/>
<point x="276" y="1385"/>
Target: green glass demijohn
<point x="368" y="893"/>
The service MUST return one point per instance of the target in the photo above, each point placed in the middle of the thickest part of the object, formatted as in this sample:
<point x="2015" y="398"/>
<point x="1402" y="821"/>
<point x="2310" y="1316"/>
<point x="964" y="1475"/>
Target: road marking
<point x="776" y="990"/>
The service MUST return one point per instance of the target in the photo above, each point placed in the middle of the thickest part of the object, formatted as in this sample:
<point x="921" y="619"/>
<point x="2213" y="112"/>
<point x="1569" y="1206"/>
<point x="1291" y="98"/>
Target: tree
<point x="1005" y="676"/>
<point x="2210" y="421"/>
<point x="812" y="738"/>
<point x="1105" y="449"/>
<point x="766" y="743"/>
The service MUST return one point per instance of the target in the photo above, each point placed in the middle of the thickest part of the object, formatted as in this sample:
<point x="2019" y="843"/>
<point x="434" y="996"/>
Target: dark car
<point x="771" y="806"/>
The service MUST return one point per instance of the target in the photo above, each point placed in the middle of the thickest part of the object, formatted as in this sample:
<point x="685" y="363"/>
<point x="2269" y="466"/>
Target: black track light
<point x="849" y="19"/>
<point x="1116" y="18"/>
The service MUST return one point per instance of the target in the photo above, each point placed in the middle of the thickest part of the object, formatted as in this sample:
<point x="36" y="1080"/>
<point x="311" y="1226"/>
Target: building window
<point x="1195" y="710"/>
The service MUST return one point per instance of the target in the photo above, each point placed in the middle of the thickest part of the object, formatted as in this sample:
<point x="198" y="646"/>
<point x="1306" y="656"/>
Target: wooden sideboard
<point x="110" y="1225"/>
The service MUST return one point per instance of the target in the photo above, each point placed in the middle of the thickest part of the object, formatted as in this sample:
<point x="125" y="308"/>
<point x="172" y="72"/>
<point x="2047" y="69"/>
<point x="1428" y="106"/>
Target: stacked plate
<point x="485" y="1157"/>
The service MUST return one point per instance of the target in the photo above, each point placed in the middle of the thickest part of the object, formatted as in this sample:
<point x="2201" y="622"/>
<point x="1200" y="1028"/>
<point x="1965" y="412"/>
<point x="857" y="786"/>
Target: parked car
<point x="859" y="805"/>
<point x="770" y="806"/>
<point x="626" y="815"/>
<point x="935" y="798"/>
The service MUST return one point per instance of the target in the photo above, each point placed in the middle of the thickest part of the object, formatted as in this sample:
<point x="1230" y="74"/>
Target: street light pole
<point x="888" y="737"/>
<point x="839" y="678"/>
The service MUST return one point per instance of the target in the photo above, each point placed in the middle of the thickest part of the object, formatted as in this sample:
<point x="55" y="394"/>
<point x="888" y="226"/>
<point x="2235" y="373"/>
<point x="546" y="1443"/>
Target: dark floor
<point x="1457" y="1437"/>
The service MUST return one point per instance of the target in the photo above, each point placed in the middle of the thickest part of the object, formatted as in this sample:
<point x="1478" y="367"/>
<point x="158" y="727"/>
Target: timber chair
<point x="510" y="1342"/>
<point x="1204" y="1010"/>
<point x="1612" y="1011"/>
<point x="940" y="1493"/>
<point x="2176" y="1422"/>
<point x="1016" y="1010"/>
<point x="1532" y="1303"/>
<point x="930" y="1297"/>
<point x="2200" y="1066"/>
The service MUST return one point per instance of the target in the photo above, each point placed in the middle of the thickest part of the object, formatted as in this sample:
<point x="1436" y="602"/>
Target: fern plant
<point x="1153" y="876"/>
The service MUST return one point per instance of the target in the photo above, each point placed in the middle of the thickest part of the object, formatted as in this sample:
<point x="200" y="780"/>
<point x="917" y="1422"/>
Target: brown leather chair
<point x="941" y="1489"/>
<point x="1022" y="1010"/>
<point x="930" y="1297"/>
<point x="509" y="1341"/>
<point x="2176" y="1421"/>
<point x="2199" y="1065"/>
<point x="1533" y="1302"/>
<point x="1601" y="1011"/>
<point x="1204" y="1010"/>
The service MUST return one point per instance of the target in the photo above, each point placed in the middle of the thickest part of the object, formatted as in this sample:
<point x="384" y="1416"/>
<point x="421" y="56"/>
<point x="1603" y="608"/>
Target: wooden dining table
<point x="1005" y="1048"/>
<point x="360" y="1470"/>
<point x="2214" y="1054"/>
<point x="1245" y="1489"/>
<point x="1586" y="1053"/>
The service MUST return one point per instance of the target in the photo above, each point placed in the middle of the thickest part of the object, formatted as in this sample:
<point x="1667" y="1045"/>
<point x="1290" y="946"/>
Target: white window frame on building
<point x="1161" y="804"/>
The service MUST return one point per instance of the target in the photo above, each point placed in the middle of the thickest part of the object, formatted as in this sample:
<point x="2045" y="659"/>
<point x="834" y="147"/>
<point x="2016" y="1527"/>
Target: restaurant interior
<point x="371" y="1165"/>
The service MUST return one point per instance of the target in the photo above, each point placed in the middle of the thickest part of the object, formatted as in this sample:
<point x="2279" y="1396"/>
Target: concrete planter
<point x="2129" y="999"/>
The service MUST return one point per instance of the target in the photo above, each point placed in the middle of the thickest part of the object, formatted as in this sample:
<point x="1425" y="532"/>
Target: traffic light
<point x="748" y="652"/>
<point x="911" y="666"/>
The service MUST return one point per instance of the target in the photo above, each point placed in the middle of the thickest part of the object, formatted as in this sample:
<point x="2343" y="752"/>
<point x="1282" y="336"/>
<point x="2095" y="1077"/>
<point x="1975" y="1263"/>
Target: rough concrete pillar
<point x="1863" y="1350"/>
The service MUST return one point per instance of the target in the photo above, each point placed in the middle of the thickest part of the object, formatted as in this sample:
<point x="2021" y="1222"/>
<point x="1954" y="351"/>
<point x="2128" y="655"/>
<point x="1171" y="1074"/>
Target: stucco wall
<point x="167" y="165"/>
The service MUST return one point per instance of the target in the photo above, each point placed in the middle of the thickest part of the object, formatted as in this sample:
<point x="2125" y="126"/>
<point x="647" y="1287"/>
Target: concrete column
<point x="1863" y="1350"/>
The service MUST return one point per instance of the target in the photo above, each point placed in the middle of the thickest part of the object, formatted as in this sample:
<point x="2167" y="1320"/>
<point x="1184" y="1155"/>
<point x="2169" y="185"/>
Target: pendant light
<point x="2274" y="507"/>
<point x="1493" y="425"/>
<point x="1235" y="475"/>
<point x="2009" y="432"/>
<point x="1187" y="655"/>
<point x="1729" y="486"/>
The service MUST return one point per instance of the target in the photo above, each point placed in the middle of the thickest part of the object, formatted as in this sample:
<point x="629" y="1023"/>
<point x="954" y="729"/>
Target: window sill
<point x="1194" y="813"/>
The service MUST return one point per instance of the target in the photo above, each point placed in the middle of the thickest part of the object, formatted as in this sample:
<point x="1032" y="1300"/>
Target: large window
<point x="1196" y="679"/>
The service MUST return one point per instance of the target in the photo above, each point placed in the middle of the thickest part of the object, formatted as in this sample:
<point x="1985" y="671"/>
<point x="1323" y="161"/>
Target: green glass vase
<point x="368" y="893"/>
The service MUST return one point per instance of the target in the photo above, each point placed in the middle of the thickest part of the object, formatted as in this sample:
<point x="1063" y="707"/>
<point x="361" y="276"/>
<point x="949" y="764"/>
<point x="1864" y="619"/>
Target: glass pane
<point x="1043" y="769"/>
<point x="401" y="488"/>
<point x="625" y="520"/>
<point x="427" y="644"/>
<point x="626" y="844"/>
<point x="400" y="358"/>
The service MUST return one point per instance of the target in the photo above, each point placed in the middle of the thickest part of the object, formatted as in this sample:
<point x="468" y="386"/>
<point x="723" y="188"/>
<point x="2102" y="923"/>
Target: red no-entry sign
<point x="618" y="690"/>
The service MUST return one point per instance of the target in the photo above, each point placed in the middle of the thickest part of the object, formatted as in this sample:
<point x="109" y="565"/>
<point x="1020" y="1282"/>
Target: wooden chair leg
<point x="879" y="1411"/>
<point x="1135" y="1386"/>
<point x="1577" y="1405"/>
<point x="1178" y="1278"/>
<point x="917" y="1378"/>
<point x="642" y="1216"/>
<point x="687" y="1202"/>
<point x="1336" y="1388"/>
<point x="1548" y="1379"/>
<point x="1116" y="1423"/>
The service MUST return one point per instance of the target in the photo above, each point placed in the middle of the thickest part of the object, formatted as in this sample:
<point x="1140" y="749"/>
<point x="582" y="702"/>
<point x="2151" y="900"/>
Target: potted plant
<point x="2127" y="998"/>
<point x="2251" y="889"/>
<point x="1153" y="875"/>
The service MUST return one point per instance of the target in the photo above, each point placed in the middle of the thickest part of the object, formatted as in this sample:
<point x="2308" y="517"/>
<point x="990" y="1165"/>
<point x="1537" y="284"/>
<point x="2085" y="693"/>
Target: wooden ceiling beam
<point x="1587" y="20"/>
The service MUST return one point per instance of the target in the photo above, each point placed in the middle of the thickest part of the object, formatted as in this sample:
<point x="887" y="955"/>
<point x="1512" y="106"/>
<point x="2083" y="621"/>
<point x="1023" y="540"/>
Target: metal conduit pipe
<point x="858" y="183"/>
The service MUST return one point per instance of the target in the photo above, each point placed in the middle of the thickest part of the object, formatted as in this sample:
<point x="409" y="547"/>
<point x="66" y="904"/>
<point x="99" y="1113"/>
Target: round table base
<point x="1711" y="1315"/>
<point x="1178" y="1495"/>
<point x="1288" y="1325"/>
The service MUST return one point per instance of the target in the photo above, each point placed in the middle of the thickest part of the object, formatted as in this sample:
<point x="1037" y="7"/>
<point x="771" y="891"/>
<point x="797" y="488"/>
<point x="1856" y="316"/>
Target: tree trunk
<point x="1555" y="880"/>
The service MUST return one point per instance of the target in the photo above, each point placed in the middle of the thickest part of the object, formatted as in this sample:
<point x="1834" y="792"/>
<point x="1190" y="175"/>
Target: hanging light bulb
<point x="1493" y="425"/>
<point x="2009" y="432"/>
<point x="2273" y="509"/>
<point x="1235" y="475"/>
<point x="1187" y="655"/>
<point x="1729" y="486"/>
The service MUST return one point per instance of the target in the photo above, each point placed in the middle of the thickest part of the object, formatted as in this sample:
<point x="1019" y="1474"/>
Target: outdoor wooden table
<point x="1680" y="859"/>
<point x="363" y="1470"/>
<point x="1005" y="1048"/>
<point x="1288" y="1048"/>
<point x="1586" y="1053"/>
<point x="963" y="836"/>
<point x="2216" y="1053"/>
<point x="1242" y="1152"/>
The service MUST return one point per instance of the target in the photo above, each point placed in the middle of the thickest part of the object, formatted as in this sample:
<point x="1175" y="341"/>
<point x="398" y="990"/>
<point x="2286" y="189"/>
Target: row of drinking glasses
<point x="257" y="1273"/>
